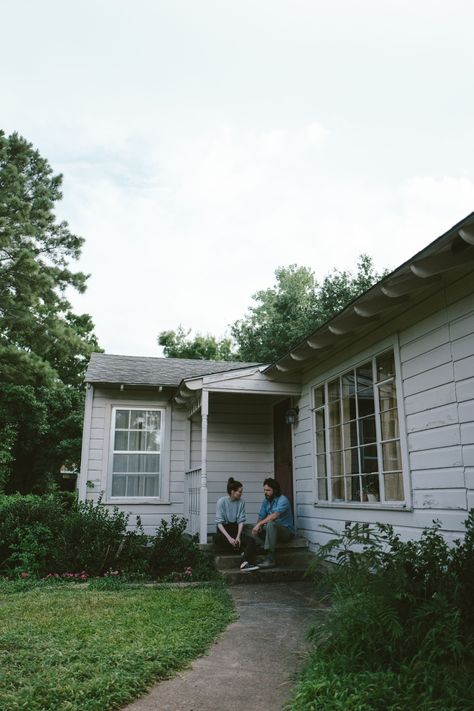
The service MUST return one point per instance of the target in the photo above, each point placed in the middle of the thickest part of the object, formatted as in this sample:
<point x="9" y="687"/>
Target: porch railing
<point x="192" y="500"/>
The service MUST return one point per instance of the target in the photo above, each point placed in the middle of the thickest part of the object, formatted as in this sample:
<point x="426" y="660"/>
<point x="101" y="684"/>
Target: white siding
<point x="437" y="376"/>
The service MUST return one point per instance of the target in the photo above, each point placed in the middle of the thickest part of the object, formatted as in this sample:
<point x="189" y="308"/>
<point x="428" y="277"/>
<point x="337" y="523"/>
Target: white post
<point x="203" y="493"/>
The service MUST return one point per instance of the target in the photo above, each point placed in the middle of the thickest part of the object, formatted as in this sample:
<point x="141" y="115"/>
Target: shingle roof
<point x="135" y="370"/>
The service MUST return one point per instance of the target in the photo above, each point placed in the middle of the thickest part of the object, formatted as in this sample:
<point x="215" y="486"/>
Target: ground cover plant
<point x="399" y="632"/>
<point x="85" y="649"/>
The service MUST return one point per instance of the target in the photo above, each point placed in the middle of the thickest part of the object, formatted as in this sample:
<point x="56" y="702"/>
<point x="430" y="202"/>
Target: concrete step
<point x="280" y="574"/>
<point x="296" y="558"/>
<point x="295" y="543"/>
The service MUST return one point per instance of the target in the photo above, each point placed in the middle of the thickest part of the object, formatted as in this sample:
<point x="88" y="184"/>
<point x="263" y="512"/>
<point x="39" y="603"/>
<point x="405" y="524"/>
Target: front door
<point x="283" y="450"/>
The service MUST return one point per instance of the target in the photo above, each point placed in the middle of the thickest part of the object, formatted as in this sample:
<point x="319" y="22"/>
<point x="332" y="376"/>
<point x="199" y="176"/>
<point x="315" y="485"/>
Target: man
<point x="275" y="521"/>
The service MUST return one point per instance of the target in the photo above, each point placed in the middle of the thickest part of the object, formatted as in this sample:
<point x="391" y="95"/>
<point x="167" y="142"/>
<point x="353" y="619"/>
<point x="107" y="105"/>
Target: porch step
<point x="296" y="558"/>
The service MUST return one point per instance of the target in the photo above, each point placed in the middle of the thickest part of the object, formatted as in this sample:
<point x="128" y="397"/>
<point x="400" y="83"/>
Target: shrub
<point x="172" y="552"/>
<point x="400" y="610"/>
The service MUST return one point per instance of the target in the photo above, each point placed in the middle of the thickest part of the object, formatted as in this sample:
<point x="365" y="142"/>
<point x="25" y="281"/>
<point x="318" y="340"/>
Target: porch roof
<point x="418" y="278"/>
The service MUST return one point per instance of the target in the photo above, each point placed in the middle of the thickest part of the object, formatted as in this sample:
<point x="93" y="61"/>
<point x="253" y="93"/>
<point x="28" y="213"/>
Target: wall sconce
<point x="291" y="415"/>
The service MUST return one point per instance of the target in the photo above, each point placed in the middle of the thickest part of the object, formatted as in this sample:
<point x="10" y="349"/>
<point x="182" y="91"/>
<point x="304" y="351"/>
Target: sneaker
<point x="247" y="567"/>
<point x="268" y="563"/>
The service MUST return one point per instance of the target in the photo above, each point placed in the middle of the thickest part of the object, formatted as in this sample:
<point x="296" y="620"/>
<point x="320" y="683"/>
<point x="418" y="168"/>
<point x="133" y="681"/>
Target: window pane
<point x="338" y="489"/>
<point x="137" y="441"/>
<point x="153" y="441"/>
<point x="368" y="459"/>
<point x="385" y="366"/>
<point x="151" y="486"/>
<point x="320" y="420"/>
<point x="364" y="376"/>
<point x="119" y="485"/>
<point x="348" y="397"/>
<point x="391" y="456"/>
<point x="335" y="438"/>
<point x="389" y="422"/>
<point x="350" y="434"/>
<point x="351" y="461"/>
<point x="370" y="488"/>
<point x="365" y="401"/>
<point x="320" y="442"/>
<point x="387" y="396"/>
<point x="321" y="465"/>
<point x="322" y="489"/>
<point x="333" y="390"/>
<point x="151" y="463"/>
<point x="335" y="413"/>
<point x="319" y="396"/>
<point x="393" y="487"/>
<point x="121" y="441"/>
<point x="367" y="432"/>
<point x="353" y="488"/>
<point x="336" y="464"/>
<point x="153" y="420"/>
<point x="120" y="463"/>
<point x="133" y="485"/>
<point x="121" y="419"/>
<point x="137" y="419"/>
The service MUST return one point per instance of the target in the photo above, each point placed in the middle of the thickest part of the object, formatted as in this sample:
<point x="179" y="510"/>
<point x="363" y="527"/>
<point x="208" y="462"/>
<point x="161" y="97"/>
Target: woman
<point x="230" y="519"/>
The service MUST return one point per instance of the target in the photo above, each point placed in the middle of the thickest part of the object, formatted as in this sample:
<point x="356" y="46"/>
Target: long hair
<point x="273" y="484"/>
<point x="233" y="485"/>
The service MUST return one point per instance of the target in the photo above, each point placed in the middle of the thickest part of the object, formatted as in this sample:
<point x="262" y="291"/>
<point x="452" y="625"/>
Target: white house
<point x="382" y="398"/>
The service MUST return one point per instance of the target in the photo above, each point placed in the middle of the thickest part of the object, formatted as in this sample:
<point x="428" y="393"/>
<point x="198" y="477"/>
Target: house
<point x="370" y="418"/>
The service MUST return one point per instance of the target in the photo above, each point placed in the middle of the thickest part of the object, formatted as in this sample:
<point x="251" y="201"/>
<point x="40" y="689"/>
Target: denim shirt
<point x="281" y="505"/>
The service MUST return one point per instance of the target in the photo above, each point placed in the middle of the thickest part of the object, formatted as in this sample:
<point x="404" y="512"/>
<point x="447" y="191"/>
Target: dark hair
<point x="273" y="484"/>
<point x="233" y="485"/>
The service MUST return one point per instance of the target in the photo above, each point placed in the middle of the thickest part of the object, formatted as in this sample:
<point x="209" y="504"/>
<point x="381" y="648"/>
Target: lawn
<point x="85" y="649"/>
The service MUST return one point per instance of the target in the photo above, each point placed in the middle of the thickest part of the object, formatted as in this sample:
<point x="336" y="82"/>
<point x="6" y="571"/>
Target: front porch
<point x="232" y="430"/>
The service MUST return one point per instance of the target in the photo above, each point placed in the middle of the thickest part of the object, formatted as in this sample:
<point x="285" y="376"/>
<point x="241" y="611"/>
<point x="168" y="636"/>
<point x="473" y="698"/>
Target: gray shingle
<point x="134" y="370"/>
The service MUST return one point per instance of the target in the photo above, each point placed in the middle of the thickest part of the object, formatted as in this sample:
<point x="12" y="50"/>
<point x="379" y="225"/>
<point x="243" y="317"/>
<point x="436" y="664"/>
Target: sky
<point x="205" y="143"/>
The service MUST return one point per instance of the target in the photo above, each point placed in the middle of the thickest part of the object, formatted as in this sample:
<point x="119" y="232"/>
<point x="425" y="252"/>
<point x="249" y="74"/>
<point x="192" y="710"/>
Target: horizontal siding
<point x="437" y="371"/>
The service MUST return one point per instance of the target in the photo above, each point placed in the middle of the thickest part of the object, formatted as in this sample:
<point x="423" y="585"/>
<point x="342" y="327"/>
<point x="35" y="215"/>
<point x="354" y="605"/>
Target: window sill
<point x="365" y="506"/>
<point x="151" y="501"/>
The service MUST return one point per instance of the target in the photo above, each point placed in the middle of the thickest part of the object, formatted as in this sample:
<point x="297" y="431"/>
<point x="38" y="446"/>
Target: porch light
<point x="291" y="415"/>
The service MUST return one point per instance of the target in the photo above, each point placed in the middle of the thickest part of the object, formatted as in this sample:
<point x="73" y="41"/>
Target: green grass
<point x="91" y="650"/>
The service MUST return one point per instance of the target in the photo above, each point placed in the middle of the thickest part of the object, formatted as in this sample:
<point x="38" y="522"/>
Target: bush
<point x="57" y="535"/>
<point x="172" y="552"/>
<point x="400" y="610"/>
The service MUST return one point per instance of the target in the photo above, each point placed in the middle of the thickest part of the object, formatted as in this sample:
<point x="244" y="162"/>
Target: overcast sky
<point x="204" y="143"/>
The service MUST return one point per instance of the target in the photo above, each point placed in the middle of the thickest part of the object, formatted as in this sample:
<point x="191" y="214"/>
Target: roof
<point x="136" y="370"/>
<point x="419" y="277"/>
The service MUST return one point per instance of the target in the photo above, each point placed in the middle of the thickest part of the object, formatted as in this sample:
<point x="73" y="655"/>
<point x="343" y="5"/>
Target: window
<point x="137" y="437"/>
<point x="357" y="437"/>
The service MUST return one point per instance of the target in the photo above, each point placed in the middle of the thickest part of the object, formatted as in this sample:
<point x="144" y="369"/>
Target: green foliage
<point x="295" y="307"/>
<point x="172" y="552"/>
<point x="95" y="650"/>
<point x="44" y="346"/>
<point x="178" y="344"/>
<point x="399" y="633"/>
<point x="47" y="534"/>
<point x="55" y="534"/>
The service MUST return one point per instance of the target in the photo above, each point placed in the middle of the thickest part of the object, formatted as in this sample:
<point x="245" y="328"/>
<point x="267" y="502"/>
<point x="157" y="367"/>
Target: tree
<point x="295" y="306"/>
<point x="44" y="346"/>
<point x="178" y="344"/>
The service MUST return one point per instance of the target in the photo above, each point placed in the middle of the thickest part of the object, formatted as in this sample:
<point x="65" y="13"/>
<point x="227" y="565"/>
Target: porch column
<point x="203" y="493"/>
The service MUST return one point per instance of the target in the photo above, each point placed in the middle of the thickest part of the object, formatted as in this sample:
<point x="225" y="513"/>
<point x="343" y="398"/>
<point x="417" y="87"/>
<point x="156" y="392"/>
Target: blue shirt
<point x="281" y="505"/>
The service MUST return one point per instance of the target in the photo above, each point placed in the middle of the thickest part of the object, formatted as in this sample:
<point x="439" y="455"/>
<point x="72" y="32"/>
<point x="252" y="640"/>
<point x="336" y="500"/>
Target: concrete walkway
<point x="252" y="665"/>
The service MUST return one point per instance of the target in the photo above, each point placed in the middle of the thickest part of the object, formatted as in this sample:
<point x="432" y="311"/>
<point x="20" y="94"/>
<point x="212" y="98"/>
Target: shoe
<point x="247" y="567"/>
<point x="268" y="563"/>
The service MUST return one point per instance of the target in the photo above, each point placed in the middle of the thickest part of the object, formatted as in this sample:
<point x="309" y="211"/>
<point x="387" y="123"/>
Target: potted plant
<point x="371" y="490"/>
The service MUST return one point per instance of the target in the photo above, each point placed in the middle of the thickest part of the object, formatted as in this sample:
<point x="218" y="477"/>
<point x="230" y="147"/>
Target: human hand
<point x="231" y="541"/>
<point x="237" y="542"/>
<point x="256" y="529"/>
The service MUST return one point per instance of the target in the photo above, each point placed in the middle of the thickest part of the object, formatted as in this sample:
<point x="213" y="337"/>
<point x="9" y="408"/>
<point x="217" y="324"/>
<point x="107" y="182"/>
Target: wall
<point x="436" y="348"/>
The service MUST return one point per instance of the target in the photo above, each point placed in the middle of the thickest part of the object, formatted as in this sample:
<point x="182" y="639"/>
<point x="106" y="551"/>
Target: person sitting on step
<point x="275" y="521"/>
<point x="230" y="519"/>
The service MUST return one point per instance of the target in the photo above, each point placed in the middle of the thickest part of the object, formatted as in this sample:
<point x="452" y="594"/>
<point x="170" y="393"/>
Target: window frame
<point x="165" y="449"/>
<point x="337" y="372"/>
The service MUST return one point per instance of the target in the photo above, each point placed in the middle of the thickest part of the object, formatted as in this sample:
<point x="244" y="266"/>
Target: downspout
<point x="203" y="493"/>
<point x="86" y="438"/>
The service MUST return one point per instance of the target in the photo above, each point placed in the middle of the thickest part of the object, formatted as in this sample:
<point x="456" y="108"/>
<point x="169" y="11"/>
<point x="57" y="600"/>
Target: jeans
<point x="248" y="546"/>
<point x="269" y="535"/>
